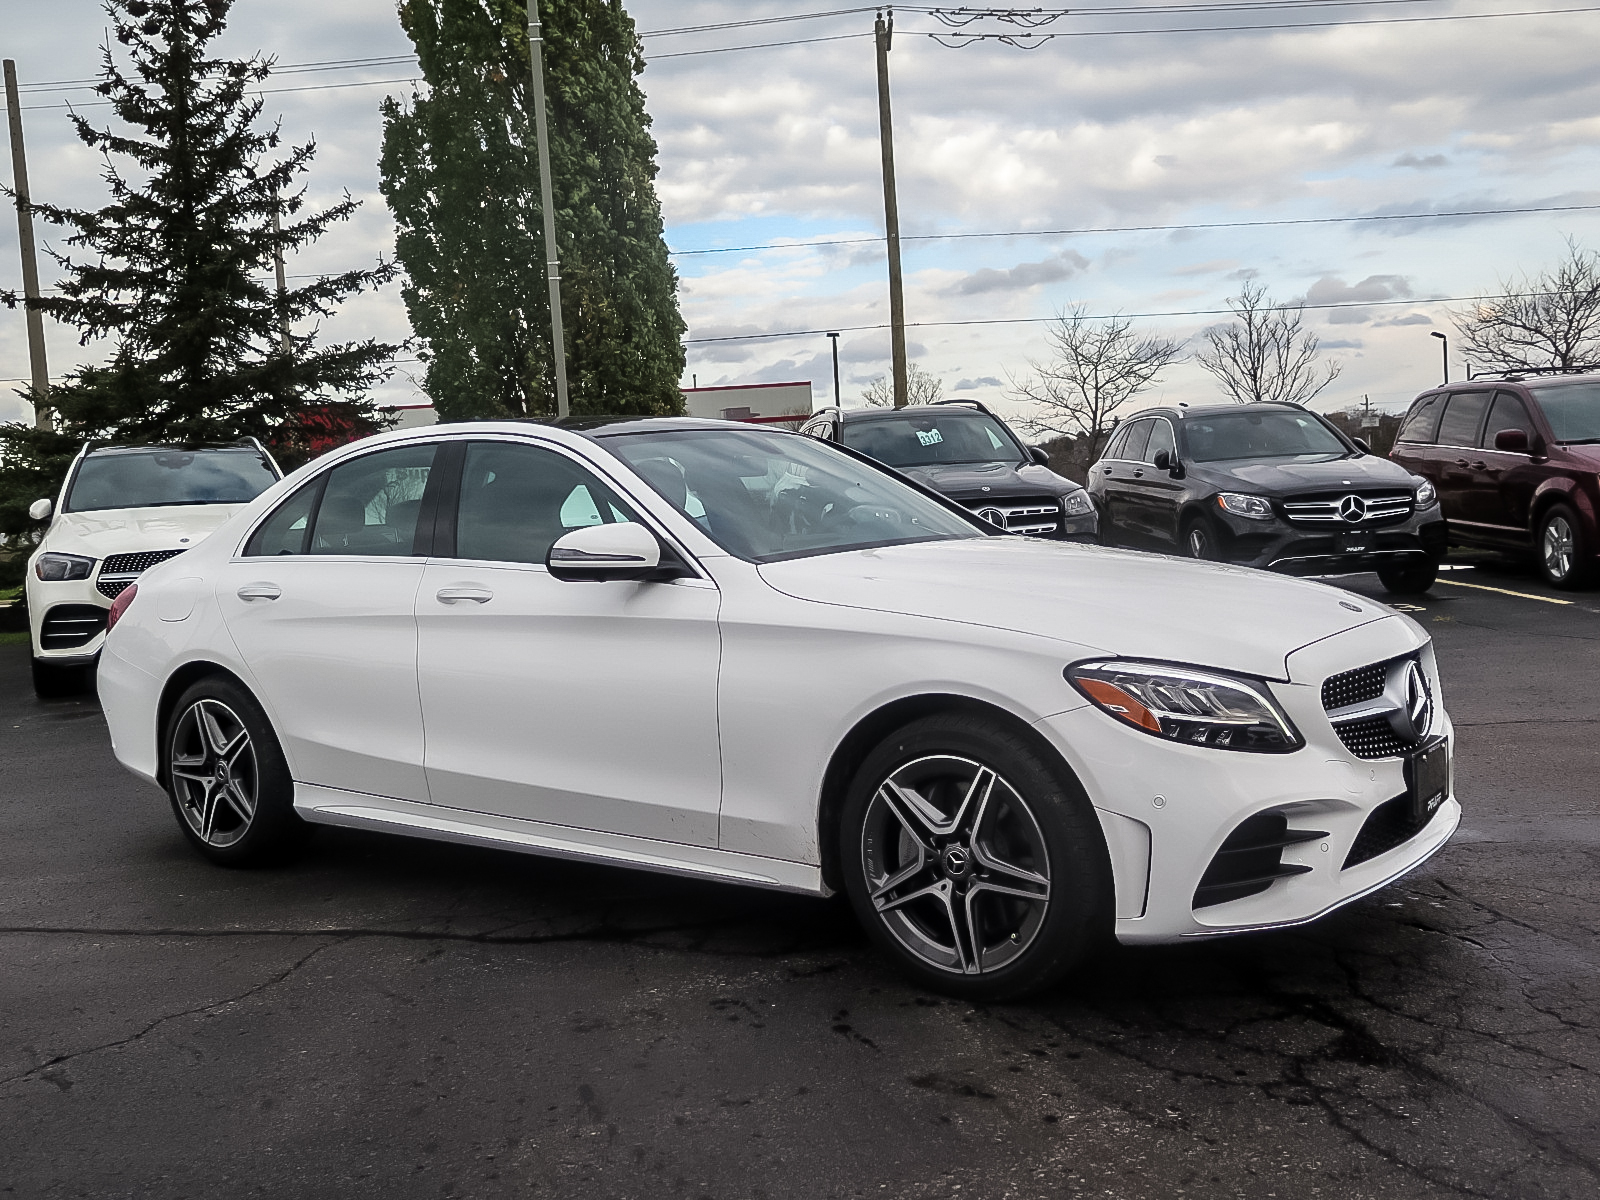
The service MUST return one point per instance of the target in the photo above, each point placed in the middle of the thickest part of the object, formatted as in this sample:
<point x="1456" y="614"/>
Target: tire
<point x="52" y="682"/>
<point x="227" y="778"/>
<point x="1410" y="580"/>
<point x="1561" y="549"/>
<point x="1199" y="541"/>
<point x="923" y="853"/>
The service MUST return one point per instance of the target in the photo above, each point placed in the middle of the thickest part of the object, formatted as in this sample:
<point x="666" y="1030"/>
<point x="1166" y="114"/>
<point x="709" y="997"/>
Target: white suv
<point x="121" y="510"/>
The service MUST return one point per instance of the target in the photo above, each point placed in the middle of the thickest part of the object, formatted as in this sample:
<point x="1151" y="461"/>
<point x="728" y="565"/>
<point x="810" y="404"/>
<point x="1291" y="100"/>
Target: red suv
<point x="1516" y="461"/>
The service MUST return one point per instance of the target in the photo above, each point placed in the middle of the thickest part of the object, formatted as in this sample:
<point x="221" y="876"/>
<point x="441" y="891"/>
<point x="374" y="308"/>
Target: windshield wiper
<point x="1594" y="441"/>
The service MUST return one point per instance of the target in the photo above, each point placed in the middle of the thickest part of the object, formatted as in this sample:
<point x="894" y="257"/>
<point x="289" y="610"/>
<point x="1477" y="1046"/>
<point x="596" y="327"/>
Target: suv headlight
<point x="1240" y="505"/>
<point x="1427" y="497"/>
<point x="1179" y="704"/>
<point x="1076" y="504"/>
<point x="53" y="568"/>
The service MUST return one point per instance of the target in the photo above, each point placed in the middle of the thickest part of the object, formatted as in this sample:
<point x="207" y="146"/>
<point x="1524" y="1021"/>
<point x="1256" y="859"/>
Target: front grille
<point x="1354" y="687"/>
<point x="68" y="626"/>
<point x="135" y="564"/>
<point x="1393" y="823"/>
<point x="1250" y="860"/>
<point x="1373" y="738"/>
<point x="111" y="588"/>
<point x="1027" y="516"/>
<point x="1373" y="508"/>
<point x="1364" y="706"/>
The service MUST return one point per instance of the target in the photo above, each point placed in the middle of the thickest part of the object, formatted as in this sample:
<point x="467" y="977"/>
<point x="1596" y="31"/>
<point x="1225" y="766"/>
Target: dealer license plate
<point x="1428" y="781"/>
<point x="1355" y="543"/>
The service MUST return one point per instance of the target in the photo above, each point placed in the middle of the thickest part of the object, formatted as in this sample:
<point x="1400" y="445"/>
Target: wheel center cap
<point x="221" y="772"/>
<point x="957" y="862"/>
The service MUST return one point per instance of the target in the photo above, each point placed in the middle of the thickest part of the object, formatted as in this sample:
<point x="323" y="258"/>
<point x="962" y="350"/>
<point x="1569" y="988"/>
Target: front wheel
<point x="1563" y="556"/>
<point x="977" y="866"/>
<point x="1410" y="580"/>
<point x="227" y="777"/>
<point x="1198" y="541"/>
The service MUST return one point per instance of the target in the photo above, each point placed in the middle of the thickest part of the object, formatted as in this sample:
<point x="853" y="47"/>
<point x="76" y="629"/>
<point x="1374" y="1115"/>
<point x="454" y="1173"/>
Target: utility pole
<point x="285" y="346"/>
<point x="883" y="28"/>
<point x="547" y="202"/>
<point x="30" y="262"/>
<point x="834" y="337"/>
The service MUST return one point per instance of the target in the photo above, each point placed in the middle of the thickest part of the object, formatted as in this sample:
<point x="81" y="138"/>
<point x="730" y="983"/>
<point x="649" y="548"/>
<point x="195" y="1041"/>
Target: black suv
<point x="962" y="450"/>
<point x="1266" y="485"/>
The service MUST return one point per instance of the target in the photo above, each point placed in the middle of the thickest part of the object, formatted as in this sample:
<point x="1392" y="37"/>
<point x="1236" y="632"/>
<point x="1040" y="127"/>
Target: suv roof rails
<point x="977" y="404"/>
<point x="1512" y="375"/>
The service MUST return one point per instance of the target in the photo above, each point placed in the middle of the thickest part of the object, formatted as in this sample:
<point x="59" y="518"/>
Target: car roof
<point x="1215" y="410"/>
<point x="95" y="451"/>
<point x="911" y="410"/>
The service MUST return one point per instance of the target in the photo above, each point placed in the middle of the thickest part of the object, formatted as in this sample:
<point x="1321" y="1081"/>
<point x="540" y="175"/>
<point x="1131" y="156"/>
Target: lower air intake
<point x="1251" y="859"/>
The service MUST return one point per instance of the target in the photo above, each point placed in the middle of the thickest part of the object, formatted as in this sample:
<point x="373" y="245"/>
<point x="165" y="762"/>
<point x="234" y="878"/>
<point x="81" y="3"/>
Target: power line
<point x="310" y="87"/>
<point x="1011" y="233"/>
<point x="1193" y="312"/>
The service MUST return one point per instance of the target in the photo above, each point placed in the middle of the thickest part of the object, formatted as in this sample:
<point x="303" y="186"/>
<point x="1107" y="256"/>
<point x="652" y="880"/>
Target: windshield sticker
<point x="929" y="437"/>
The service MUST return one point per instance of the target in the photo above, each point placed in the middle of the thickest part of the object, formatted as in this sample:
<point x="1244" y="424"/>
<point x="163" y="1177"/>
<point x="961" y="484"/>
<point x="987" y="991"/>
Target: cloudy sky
<point x="1165" y="115"/>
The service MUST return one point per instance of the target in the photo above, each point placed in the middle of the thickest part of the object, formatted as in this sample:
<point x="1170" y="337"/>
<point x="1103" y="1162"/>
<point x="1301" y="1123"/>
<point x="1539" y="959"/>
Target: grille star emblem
<point x="1353" y="509"/>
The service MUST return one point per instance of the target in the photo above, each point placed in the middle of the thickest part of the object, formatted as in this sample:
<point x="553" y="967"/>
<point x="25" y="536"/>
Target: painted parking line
<point x="1503" y="591"/>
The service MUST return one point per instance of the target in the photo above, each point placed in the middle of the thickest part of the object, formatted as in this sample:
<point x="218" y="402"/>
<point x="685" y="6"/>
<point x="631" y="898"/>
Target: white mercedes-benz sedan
<point x="704" y="648"/>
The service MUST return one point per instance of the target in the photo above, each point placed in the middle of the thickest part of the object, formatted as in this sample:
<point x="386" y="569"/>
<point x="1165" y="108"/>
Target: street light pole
<point x="834" y="337"/>
<point x="40" y="370"/>
<point x="883" y="30"/>
<point x="547" y="201"/>
<point x="1444" y="348"/>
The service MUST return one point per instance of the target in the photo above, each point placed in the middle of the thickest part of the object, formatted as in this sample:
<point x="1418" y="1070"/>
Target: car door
<point x="1118" y="476"/>
<point x="1457" y="449"/>
<point x="1414" y="447"/>
<point x="1154" y="496"/>
<point x="321" y="607"/>
<point x="1503" y="481"/>
<point x="589" y="705"/>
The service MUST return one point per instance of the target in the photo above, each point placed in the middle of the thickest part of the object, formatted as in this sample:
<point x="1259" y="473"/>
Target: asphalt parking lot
<point x="393" y="1018"/>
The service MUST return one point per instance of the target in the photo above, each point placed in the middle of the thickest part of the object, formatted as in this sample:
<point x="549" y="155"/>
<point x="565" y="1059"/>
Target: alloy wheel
<point x="955" y="864"/>
<point x="1199" y="543"/>
<point x="1557" y="546"/>
<point x="215" y="778"/>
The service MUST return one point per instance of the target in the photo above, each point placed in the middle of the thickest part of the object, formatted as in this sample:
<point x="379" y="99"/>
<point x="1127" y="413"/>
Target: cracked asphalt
<point x="394" y="1018"/>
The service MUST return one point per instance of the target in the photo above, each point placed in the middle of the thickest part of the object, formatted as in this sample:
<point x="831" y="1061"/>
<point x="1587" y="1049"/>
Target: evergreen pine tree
<point x="176" y="270"/>
<point x="460" y="172"/>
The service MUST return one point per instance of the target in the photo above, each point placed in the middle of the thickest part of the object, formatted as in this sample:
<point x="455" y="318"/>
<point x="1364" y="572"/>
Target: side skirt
<point x="356" y="810"/>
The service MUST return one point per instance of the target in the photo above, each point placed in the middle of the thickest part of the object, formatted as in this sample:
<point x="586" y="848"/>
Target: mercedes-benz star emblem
<point x="1353" y="509"/>
<point x="1419" y="704"/>
<point x="993" y="515"/>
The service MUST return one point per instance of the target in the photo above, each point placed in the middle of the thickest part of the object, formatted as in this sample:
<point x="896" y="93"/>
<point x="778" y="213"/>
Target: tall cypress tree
<point x="460" y="172"/>
<point x="176" y="270"/>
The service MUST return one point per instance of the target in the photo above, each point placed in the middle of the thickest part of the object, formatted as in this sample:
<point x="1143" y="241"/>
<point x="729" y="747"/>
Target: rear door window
<point x="1507" y="412"/>
<point x="1463" y="418"/>
<point x="1422" y="423"/>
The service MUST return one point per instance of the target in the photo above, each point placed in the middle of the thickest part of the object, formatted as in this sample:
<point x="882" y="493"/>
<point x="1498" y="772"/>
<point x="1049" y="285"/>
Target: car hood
<point x="131" y="530"/>
<point x="1277" y="477"/>
<point x="1106" y="601"/>
<point x="972" y="481"/>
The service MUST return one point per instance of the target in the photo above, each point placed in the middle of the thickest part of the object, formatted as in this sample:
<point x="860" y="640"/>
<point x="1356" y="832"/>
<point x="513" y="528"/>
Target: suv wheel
<point x="227" y="778"/>
<point x="1563" y="557"/>
<point x="1198" y="541"/>
<point x="971" y="861"/>
<point x="1409" y="580"/>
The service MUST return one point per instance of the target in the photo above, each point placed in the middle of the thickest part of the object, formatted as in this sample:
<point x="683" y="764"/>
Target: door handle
<point x="1138" y="474"/>
<point x="259" y="591"/>
<point x="1461" y="462"/>
<point x="1108" y="470"/>
<point x="1480" y="466"/>
<point x="478" y="595"/>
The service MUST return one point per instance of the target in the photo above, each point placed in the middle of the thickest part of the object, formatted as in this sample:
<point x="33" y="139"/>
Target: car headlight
<point x="1241" y="505"/>
<point x="1076" y="504"/>
<point x="53" y="568"/>
<point x="1179" y="704"/>
<point x="1427" y="497"/>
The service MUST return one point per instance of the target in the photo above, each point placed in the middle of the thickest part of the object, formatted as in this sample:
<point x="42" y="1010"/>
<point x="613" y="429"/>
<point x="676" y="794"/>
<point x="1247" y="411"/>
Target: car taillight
<point x="120" y="605"/>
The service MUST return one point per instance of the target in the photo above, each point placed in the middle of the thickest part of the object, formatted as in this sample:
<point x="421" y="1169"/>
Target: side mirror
<point x="1162" y="461"/>
<point x="1361" y="445"/>
<point x="1038" y="455"/>
<point x="1514" y="440"/>
<point x="40" y="510"/>
<point x="605" y="552"/>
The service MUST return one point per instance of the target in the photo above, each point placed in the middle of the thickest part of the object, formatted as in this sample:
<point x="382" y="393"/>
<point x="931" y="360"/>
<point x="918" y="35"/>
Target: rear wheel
<point x="1412" y="579"/>
<point x="227" y="778"/>
<point x="972" y="862"/>
<point x="1563" y="554"/>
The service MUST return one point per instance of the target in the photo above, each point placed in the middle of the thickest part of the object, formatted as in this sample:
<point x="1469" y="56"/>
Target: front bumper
<point x="1278" y="545"/>
<point x="1167" y="808"/>
<point x="59" y="613"/>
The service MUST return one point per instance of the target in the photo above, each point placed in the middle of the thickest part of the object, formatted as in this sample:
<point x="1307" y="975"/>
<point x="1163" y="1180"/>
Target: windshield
<point x="153" y="478"/>
<point x="1573" y="411"/>
<point x="1259" y="435"/>
<point x="922" y="440"/>
<point x="769" y="496"/>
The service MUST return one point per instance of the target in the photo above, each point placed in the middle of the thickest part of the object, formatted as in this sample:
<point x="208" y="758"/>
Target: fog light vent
<point x="1251" y="859"/>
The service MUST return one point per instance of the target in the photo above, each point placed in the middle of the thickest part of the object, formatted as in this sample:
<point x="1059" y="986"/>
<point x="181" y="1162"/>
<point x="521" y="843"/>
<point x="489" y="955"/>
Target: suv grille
<point x="119" y="570"/>
<point x="1350" y="508"/>
<point x="1035" y="517"/>
<point x="68" y="626"/>
<point x="1365" y="708"/>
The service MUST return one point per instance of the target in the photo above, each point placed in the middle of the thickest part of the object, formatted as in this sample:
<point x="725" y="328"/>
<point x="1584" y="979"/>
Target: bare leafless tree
<point x="1267" y="354"/>
<point x="922" y="387"/>
<point x="1548" y="320"/>
<point x="1096" y="364"/>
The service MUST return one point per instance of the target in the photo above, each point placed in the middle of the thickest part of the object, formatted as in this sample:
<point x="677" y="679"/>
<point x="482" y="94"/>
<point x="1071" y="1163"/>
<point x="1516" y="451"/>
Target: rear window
<point x="158" y="478"/>
<point x="1422" y="423"/>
